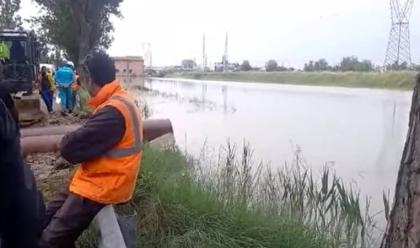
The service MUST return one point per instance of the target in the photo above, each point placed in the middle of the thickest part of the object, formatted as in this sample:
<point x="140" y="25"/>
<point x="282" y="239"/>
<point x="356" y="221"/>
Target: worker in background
<point x="108" y="147"/>
<point x="47" y="92"/>
<point x="4" y="52"/>
<point x="64" y="77"/>
<point x="76" y="83"/>
<point x="4" y="57"/>
<point x="21" y="206"/>
<point x="50" y="76"/>
<point x="75" y="87"/>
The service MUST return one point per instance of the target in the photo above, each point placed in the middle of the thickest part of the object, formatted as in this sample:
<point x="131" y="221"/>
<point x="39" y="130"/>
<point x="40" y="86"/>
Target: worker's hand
<point x="62" y="164"/>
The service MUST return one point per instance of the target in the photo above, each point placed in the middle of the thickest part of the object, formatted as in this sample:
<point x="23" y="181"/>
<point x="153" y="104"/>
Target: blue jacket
<point x="64" y="76"/>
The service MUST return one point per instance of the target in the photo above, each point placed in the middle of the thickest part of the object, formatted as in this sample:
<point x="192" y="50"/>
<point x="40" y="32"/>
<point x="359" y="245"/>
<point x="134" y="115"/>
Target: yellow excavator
<point x="19" y="70"/>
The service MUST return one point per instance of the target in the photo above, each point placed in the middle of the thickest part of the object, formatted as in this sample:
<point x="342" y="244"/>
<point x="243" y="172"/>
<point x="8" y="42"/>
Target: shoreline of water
<point x="394" y="80"/>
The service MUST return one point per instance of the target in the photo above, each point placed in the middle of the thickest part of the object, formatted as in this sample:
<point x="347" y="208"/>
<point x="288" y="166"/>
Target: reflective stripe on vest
<point x="138" y="143"/>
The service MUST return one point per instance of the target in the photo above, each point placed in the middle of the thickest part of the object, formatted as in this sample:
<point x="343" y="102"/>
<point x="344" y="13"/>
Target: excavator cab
<point x="19" y="67"/>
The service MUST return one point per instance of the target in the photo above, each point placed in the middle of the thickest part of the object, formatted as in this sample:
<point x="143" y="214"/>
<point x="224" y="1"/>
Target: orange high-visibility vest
<point x="74" y="85"/>
<point x="111" y="179"/>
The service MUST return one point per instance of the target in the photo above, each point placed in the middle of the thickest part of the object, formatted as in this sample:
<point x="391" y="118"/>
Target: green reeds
<point x="231" y="201"/>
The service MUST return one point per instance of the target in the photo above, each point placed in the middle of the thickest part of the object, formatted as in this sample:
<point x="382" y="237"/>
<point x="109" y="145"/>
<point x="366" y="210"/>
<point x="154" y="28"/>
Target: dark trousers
<point x="48" y="97"/>
<point x="67" y="216"/>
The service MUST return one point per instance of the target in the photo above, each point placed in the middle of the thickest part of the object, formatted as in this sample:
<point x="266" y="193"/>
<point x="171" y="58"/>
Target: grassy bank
<point x="403" y="80"/>
<point x="180" y="203"/>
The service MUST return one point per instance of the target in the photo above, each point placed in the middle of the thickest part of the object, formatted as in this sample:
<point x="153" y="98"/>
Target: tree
<point x="348" y="63"/>
<point x="309" y="66"/>
<point x="366" y="65"/>
<point x="353" y="64"/>
<point x="9" y="19"/>
<point x="55" y="57"/>
<point x="403" y="229"/>
<point x="246" y="66"/>
<point x="321" y="65"/>
<point x="77" y="26"/>
<point x="282" y="68"/>
<point x="271" y="65"/>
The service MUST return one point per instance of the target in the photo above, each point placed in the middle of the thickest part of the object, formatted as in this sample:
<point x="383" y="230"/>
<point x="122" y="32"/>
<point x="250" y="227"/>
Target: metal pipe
<point x="51" y="130"/>
<point x="152" y="129"/>
<point x="47" y="139"/>
<point x="40" y="144"/>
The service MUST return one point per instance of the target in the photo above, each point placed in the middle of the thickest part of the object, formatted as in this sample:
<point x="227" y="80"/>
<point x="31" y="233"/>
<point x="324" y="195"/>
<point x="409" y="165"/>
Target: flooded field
<point x="359" y="133"/>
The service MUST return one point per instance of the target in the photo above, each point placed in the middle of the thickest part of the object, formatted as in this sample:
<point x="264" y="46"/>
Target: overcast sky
<point x="289" y="31"/>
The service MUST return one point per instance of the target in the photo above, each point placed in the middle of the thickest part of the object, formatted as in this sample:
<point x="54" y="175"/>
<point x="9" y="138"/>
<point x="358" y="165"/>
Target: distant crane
<point x="147" y="53"/>
<point x="398" y="51"/>
<point x="225" y="60"/>
<point x="204" y="53"/>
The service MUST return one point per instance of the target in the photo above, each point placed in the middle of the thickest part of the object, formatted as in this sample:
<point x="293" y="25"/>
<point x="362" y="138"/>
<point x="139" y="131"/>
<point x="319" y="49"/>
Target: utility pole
<point x="147" y="53"/>
<point x="399" y="51"/>
<point x="204" y="53"/>
<point x="225" y="59"/>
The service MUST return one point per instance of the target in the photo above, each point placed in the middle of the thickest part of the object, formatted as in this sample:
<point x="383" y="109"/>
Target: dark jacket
<point x="45" y="83"/>
<point x="95" y="138"/>
<point x="21" y="205"/>
<point x="8" y="101"/>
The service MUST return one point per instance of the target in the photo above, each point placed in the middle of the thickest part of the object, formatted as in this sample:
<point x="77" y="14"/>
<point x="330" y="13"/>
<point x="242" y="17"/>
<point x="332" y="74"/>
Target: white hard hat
<point x="70" y="63"/>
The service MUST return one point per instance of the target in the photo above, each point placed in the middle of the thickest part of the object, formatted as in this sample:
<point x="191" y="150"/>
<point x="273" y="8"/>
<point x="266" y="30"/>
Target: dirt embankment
<point x="49" y="180"/>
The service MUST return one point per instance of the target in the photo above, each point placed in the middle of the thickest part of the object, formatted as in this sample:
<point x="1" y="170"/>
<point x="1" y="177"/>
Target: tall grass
<point x="403" y="80"/>
<point x="323" y="202"/>
<point x="232" y="202"/>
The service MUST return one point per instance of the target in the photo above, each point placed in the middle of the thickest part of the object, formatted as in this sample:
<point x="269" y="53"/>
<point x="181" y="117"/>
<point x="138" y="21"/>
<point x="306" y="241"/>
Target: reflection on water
<point x="225" y="98"/>
<point x="360" y="132"/>
<point x="195" y="102"/>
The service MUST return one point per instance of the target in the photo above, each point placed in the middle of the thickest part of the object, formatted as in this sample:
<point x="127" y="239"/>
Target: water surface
<point x="360" y="133"/>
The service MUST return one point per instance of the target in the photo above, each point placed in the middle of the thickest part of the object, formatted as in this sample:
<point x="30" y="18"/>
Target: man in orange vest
<point x="74" y="88"/>
<point x="108" y="147"/>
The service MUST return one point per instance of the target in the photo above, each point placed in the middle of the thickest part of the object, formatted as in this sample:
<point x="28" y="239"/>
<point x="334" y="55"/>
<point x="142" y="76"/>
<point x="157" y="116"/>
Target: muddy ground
<point x="49" y="180"/>
<point x="57" y="119"/>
